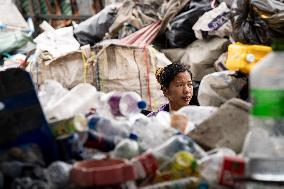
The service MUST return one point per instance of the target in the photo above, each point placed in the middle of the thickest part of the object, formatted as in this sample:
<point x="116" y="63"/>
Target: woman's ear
<point x="165" y="92"/>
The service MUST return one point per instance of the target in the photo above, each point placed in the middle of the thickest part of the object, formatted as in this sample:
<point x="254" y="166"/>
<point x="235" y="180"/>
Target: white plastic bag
<point x="214" y="23"/>
<point x="56" y="42"/>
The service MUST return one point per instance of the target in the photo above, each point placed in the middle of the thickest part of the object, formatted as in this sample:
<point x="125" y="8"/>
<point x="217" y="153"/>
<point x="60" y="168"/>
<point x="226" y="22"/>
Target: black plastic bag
<point x="181" y="33"/>
<point x="94" y="29"/>
<point x="257" y="21"/>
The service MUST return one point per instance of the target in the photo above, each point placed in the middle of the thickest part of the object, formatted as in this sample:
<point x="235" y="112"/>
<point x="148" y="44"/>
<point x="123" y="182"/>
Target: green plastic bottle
<point x="266" y="136"/>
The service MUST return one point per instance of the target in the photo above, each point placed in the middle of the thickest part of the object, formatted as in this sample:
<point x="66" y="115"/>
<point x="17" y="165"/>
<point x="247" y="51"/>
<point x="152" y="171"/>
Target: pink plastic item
<point x="101" y="172"/>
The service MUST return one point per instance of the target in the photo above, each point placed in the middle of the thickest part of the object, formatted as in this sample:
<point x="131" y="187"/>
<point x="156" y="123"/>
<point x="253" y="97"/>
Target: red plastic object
<point x="232" y="167"/>
<point x="101" y="172"/>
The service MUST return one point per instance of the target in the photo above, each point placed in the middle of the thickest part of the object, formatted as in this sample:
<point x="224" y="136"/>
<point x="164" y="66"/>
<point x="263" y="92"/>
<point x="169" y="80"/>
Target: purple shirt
<point x="165" y="107"/>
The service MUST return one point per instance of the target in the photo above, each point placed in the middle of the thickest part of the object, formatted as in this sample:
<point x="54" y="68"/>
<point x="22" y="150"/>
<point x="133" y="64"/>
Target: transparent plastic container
<point x="131" y="103"/>
<point x="122" y="104"/>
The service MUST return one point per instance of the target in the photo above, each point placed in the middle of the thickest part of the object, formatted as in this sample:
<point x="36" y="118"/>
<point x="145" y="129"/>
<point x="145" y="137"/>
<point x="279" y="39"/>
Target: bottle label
<point x="233" y="167"/>
<point x="267" y="103"/>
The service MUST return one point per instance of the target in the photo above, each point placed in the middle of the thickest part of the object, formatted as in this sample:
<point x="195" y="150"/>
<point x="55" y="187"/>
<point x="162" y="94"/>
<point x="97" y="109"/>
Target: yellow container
<point x="242" y="57"/>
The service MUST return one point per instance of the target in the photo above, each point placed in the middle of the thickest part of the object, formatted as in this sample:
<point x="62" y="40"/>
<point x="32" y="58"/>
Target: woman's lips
<point x="187" y="98"/>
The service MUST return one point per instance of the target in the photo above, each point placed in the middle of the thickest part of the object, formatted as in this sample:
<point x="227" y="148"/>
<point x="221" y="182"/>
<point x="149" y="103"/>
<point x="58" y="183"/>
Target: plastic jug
<point x="242" y="57"/>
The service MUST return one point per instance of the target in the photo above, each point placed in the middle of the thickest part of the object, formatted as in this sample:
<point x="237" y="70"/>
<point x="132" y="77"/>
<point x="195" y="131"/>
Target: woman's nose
<point x="187" y="89"/>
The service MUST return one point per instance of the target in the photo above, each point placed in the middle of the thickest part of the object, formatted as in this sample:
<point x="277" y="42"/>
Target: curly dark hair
<point x="165" y="75"/>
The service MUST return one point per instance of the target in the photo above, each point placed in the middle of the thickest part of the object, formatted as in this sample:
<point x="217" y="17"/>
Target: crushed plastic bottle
<point x="80" y="99"/>
<point x="115" y="130"/>
<point x="165" y="153"/>
<point x="153" y="131"/>
<point x="160" y="158"/>
<point x="50" y="92"/>
<point x="127" y="148"/>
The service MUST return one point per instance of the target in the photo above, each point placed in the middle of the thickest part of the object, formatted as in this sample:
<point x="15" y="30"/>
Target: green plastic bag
<point x="10" y="41"/>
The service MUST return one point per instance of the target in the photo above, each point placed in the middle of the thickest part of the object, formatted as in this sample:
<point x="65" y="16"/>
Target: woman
<point x="176" y="84"/>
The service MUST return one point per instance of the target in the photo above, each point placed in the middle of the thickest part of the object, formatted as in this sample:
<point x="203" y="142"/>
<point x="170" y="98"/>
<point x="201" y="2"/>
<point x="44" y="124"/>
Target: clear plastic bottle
<point x="267" y="95"/>
<point x="162" y="156"/>
<point x="115" y="130"/>
<point x="79" y="100"/>
<point x="153" y="131"/>
<point x="127" y="148"/>
<point x="124" y="104"/>
<point x="131" y="103"/>
<point x="211" y="164"/>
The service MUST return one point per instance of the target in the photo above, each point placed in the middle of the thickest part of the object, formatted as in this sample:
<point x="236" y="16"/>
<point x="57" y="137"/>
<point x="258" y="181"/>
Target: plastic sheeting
<point x="94" y="29"/>
<point x="180" y="33"/>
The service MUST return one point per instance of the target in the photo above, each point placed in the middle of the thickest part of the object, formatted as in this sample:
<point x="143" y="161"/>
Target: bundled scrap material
<point x="214" y="23"/>
<point x="180" y="32"/>
<point x="136" y="13"/>
<point x="217" y="88"/>
<point x="201" y="55"/>
<point x="257" y="21"/>
<point x="131" y="64"/>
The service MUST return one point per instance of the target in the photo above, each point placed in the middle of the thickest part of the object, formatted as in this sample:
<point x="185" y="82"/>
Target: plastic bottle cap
<point x="142" y="104"/>
<point x="133" y="136"/>
<point x="93" y="122"/>
<point x="203" y="185"/>
<point x="250" y="58"/>
<point x="183" y="159"/>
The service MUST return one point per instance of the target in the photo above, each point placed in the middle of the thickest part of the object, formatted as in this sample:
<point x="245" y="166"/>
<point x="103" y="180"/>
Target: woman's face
<point x="180" y="91"/>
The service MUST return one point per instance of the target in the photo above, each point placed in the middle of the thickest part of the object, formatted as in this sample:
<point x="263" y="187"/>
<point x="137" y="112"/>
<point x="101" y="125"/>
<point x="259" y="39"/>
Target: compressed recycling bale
<point x="216" y="88"/>
<point x="226" y="128"/>
<point x="201" y="55"/>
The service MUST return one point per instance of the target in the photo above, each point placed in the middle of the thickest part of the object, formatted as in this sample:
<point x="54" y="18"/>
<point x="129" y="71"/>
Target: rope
<point x="146" y="55"/>
<point x="85" y="65"/>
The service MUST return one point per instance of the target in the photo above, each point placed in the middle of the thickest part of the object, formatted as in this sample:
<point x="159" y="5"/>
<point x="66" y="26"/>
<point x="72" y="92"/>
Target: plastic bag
<point x="201" y="55"/>
<point x="94" y="29"/>
<point x="257" y="21"/>
<point x="137" y="14"/>
<point x="10" y="41"/>
<point x="180" y="33"/>
<point x="216" y="88"/>
<point x="57" y="42"/>
<point x="214" y="23"/>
